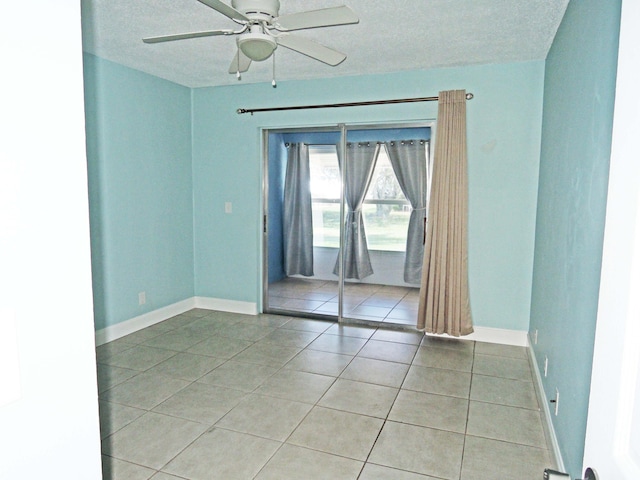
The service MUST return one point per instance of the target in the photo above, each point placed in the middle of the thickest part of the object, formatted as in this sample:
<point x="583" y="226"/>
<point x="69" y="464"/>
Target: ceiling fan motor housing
<point x="260" y="10"/>
<point x="257" y="44"/>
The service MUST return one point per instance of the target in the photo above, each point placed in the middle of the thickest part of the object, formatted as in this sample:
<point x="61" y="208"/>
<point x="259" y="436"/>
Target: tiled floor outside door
<point x="362" y="301"/>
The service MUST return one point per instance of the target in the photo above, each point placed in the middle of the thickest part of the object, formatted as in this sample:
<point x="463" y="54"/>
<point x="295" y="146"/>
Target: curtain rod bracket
<point x="240" y="111"/>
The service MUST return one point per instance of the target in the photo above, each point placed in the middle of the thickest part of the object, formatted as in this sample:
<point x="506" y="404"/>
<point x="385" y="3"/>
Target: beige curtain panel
<point x="444" y="291"/>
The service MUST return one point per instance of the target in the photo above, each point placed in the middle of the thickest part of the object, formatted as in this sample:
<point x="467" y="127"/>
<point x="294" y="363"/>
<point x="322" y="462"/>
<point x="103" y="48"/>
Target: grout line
<point x="466" y="426"/>
<point x="282" y="368"/>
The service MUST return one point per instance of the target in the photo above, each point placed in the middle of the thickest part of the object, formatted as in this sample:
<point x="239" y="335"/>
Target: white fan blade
<point x="240" y="63"/>
<point x="183" y="36"/>
<point x="311" y="49"/>
<point x="226" y="10"/>
<point x="325" y="17"/>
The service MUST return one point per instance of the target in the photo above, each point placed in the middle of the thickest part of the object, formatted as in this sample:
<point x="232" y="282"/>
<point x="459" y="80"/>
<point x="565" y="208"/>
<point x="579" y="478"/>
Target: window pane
<point x="386" y="210"/>
<point x="325" y="185"/>
<point x="384" y="185"/>
<point x="386" y="226"/>
<point x="326" y="224"/>
<point x="325" y="174"/>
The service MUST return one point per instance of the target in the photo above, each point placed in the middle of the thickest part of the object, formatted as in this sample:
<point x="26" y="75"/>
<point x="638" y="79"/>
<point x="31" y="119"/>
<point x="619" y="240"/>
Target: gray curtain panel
<point x="409" y="162"/>
<point x="361" y="160"/>
<point x="444" y="291"/>
<point x="298" y="225"/>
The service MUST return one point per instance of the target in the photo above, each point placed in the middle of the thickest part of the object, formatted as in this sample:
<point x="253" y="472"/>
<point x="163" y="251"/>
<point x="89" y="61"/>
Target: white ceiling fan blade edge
<point x="325" y="17"/>
<point x="311" y="49"/>
<point x="184" y="36"/>
<point x="240" y="63"/>
<point x="226" y="10"/>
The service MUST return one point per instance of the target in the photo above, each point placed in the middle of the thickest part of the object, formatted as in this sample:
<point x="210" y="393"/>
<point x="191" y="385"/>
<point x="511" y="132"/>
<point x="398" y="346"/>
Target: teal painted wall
<point x="504" y="122"/>
<point x="141" y="206"/>
<point x="163" y="160"/>
<point x="576" y="140"/>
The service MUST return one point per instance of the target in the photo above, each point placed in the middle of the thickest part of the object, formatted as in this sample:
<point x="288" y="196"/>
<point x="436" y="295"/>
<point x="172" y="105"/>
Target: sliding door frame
<point x="343" y="130"/>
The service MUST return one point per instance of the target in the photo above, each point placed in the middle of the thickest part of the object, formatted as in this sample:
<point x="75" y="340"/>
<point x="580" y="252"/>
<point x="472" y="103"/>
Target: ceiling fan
<point x="262" y="31"/>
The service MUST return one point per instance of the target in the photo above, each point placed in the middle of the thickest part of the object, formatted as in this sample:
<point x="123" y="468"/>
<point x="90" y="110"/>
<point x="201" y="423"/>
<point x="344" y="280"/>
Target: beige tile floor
<point x="213" y="395"/>
<point x="362" y="301"/>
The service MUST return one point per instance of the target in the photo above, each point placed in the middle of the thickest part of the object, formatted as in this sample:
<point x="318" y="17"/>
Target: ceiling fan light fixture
<point x="256" y="44"/>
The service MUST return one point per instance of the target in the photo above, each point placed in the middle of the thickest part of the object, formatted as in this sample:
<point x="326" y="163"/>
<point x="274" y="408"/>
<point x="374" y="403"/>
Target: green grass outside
<point x="385" y="226"/>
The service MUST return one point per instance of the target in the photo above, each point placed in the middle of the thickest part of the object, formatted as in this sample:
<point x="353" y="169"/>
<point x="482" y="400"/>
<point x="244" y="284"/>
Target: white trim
<point x="494" y="335"/>
<point x="113" y="332"/>
<point x="223" y="305"/>
<point x="547" y="423"/>
<point x="132" y="325"/>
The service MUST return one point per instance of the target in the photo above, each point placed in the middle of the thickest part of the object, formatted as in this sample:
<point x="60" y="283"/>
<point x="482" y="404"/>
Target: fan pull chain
<point x="273" y="81"/>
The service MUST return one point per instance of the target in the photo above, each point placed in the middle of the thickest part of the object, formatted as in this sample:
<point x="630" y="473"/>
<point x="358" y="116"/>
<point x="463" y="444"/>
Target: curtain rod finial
<point x="469" y="96"/>
<point x="240" y="111"/>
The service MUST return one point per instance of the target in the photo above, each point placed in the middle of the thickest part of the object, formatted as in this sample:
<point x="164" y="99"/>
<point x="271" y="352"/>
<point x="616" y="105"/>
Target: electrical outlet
<point x="555" y="475"/>
<point x="142" y="298"/>
<point x="546" y="365"/>
<point x="228" y="207"/>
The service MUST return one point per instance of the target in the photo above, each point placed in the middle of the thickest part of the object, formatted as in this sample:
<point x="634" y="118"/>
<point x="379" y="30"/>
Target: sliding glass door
<point x="346" y="243"/>
<point x="302" y="212"/>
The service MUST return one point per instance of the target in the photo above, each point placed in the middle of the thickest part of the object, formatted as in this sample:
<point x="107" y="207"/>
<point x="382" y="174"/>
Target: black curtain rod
<point x="240" y="111"/>
<point x="288" y="144"/>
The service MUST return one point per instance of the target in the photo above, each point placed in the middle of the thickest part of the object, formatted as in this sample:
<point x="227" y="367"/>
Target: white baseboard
<point x="494" y="335"/>
<point x="547" y="423"/>
<point x="113" y="332"/>
<point x="220" y="304"/>
<point x="132" y="325"/>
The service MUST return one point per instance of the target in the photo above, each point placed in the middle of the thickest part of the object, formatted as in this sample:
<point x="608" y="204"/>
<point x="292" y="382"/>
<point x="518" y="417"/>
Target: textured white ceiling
<point x="392" y="36"/>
